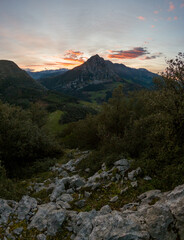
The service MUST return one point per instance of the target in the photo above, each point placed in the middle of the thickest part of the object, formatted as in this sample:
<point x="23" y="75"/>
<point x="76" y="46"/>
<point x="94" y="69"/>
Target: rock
<point x="18" y="231"/>
<point x="60" y="188"/>
<point x="105" y="209"/>
<point x="87" y="170"/>
<point x="25" y="205"/>
<point x="124" y="190"/>
<point x="41" y="237"/>
<point x="122" y="162"/>
<point x="118" y="177"/>
<point x="77" y="182"/>
<point x="147" y="178"/>
<point x="87" y="194"/>
<point x="150" y="196"/>
<point x="95" y="186"/>
<point x="175" y="202"/>
<point x="70" y="191"/>
<point x="134" y="173"/>
<point x="55" y="220"/>
<point x="48" y="218"/>
<point x="5" y="211"/>
<point x="104" y="167"/>
<point x="114" y="199"/>
<point x="61" y="204"/>
<point x="65" y="198"/>
<point x="134" y="184"/>
<point x="80" y="203"/>
<point x="129" y="206"/>
<point x="63" y="174"/>
<point x="39" y="220"/>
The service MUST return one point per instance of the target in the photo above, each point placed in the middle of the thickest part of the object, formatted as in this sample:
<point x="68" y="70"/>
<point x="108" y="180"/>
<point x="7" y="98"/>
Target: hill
<point x="16" y="85"/>
<point x="96" y="78"/>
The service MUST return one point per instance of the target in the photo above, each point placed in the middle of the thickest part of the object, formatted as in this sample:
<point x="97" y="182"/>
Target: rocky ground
<point x="105" y="206"/>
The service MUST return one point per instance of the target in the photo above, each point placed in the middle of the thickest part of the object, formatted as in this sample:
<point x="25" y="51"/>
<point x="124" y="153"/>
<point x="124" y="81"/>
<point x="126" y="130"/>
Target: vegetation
<point x="23" y="138"/>
<point x="146" y="126"/>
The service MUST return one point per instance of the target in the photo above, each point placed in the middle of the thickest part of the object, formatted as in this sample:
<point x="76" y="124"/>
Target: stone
<point x="147" y="178"/>
<point x="124" y="190"/>
<point x="61" y="204"/>
<point x="41" y="237"/>
<point x="39" y="220"/>
<point x="55" y="220"/>
<point x="122" y="162"/>
<point x="114" y="199"/>
<point x="18" y="231"/>
<point x="59" y="188"/>
<point x="80" y="203"/>
<point x="134" y="173"/>
<point x="25" y="205"/>
<point x="87" y="170"/>
<point x="5" y="211"/>
<point x="87" y="194"/>
<point x="105" y="210"/>
<point x="134" y="184"/>
<point x="65" y="198"/>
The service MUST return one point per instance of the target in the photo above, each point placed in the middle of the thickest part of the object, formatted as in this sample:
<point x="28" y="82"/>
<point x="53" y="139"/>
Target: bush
<point x="23" y="139"/>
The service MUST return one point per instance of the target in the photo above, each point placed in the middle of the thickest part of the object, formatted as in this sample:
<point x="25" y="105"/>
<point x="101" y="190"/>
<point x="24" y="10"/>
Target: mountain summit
<point x="97" y="71"/>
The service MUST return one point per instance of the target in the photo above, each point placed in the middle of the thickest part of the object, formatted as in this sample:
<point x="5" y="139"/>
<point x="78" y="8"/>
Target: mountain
<point x="46" y="73"/>
<point x="97" y="74"/>
<point x="16" y="84"/>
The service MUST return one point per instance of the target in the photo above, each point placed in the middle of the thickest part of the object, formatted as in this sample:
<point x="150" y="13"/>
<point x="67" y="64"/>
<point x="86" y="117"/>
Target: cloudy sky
<point x="52" y="34"/>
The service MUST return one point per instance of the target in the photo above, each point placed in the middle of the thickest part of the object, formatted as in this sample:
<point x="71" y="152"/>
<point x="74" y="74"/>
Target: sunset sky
<point x="52" y="34"/>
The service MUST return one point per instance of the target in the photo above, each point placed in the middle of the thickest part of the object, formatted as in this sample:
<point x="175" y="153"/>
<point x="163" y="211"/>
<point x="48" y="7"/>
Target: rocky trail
<point x="105" y="206"/>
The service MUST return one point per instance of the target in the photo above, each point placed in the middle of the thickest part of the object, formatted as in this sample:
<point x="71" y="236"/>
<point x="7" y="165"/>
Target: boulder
<point x="25" y="206"/>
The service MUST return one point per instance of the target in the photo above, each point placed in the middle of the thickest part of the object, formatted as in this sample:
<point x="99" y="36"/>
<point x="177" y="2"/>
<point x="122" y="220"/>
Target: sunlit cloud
<point x="171" y="7"/>
<point x="74" y="56"/>
<point x="156" y="12"/>
<point x="141" y="18"/>
<point x="129" y="54"/>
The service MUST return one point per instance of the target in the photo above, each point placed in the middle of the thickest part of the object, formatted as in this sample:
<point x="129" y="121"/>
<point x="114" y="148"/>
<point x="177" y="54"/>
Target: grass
<point x="53" y="122"/>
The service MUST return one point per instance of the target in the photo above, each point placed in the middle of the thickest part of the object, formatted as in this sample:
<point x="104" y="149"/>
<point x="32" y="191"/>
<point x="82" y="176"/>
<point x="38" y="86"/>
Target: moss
<point x="43" y="195"/>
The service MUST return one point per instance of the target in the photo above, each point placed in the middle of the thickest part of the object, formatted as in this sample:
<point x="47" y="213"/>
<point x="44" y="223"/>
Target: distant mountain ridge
<point x="46" y="73"/>
<point x="96" y="70"/>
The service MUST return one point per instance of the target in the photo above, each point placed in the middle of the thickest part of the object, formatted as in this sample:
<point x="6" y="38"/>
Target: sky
<point x="53" y="34"/>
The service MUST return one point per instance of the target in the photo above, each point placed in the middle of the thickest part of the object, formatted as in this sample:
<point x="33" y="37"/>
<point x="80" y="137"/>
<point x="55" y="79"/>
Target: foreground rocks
<point x="154" y="216"/>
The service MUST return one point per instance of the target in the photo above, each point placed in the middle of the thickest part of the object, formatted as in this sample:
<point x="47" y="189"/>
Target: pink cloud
<point x="169" y="18"/>
<point x="141" y="18"/>
<point x="182" y="5"/>
<point x="129" y="54"/>
<point x="156" y="12"/>
<point x="171" y="7"/>
<point x="175" y="18"/>
<point x="152" y="26"/>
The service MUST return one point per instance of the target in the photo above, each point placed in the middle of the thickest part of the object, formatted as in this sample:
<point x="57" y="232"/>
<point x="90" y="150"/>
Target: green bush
<point x="23" y="138"/>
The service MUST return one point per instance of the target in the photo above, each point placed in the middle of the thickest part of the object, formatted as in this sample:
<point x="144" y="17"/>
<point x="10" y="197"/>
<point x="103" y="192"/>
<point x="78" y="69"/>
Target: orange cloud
<point x="141" y="18"/>
<point x="129" y="54"/>
<point x="171" y="7"/>
<point x="80" y="60"/>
